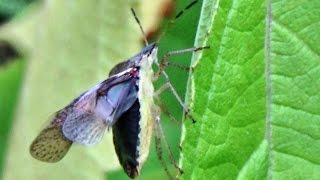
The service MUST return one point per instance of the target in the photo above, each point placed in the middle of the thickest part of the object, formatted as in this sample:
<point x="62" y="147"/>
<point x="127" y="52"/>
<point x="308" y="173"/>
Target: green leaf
<point x="256" y="93"/>
<point x="295" y="100"/>
<point x="9" y="8"/>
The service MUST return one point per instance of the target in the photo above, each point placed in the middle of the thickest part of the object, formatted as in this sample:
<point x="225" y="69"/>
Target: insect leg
<point x="163" y="137"/>
<point x="179" y="66"/>
<point x="164" y="61"/>
<point x="159" y="147"/>
<point x="168" y="85"/>
<point x="165" y="110"/>
<point x="171" y="22"/>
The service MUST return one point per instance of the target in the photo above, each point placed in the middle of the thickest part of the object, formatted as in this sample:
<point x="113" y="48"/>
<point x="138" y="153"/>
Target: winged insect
<point x="123" y="102"/>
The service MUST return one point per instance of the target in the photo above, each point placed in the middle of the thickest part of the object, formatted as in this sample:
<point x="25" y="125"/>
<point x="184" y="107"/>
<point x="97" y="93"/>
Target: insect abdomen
<point x="126" y="140"/>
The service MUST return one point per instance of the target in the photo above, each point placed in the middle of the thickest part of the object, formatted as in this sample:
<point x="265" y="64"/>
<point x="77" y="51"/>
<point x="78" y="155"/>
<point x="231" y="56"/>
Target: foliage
<point x="255" y="93"/>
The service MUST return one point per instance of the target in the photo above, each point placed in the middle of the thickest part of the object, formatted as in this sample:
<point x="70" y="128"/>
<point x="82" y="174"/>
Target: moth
<point x="123" y="102"/>
<point x="116" y="102"/>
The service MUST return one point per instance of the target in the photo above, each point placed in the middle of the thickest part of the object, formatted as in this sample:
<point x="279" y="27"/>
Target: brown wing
<point x="51" y="145"/>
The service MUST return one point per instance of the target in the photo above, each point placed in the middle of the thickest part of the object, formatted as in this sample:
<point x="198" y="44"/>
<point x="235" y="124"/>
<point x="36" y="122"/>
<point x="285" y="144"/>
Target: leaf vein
<point x="296" y="36"/>
<point x="297" y="156"/>
<point x="295" y="130"/>
<point x="295" y="108"/>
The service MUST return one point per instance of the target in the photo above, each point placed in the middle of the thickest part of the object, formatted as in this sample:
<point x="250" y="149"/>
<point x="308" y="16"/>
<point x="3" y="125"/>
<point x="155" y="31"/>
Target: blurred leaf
<point x="7" y="53"/>
<point x="10" y="80"/>
<point x="70" y="47"/>
<point x="9" y="8"/>
<point x="256" y="93"/>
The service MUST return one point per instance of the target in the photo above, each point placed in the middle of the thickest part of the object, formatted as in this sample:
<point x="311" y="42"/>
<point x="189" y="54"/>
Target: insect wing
<point x="51" y="145"/>
<point x="84" y="127"/>
<point x="122" y="97"/>
<point x="96" y="111"/>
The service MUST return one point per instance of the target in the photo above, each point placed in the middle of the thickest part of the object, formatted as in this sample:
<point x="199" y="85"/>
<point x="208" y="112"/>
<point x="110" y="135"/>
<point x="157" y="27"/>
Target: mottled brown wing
<point x="51" y="145"/>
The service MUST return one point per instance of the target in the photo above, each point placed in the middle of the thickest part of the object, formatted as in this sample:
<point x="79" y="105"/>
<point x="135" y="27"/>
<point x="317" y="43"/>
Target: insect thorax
<point x="145" y="96"/>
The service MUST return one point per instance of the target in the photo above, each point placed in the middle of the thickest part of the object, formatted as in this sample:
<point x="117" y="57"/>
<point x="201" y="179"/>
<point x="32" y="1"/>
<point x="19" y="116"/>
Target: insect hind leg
<point x="165" y="110"/>
<point x="159" y="150"/>
<point x="159" y="135"/>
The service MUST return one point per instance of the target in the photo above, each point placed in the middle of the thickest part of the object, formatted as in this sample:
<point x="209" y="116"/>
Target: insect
<point x="123" y="102"/>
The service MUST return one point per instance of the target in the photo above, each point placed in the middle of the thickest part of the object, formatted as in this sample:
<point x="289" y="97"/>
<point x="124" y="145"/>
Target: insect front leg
<point x="164" y="62"/>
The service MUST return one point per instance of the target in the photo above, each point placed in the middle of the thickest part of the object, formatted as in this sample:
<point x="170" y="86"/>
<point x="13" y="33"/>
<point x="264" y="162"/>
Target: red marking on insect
<point x="134" y="72"/>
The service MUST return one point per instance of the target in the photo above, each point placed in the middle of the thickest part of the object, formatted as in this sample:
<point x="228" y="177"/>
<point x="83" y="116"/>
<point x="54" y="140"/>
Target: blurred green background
<point x="59" y="65"/>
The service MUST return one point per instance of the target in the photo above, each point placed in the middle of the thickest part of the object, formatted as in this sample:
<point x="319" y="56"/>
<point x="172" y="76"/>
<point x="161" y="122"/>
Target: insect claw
<point x="187" y="113"/>
<point x="192" y="68"/>
<point x="180" y="171"/>
<point x="201" y="48"/>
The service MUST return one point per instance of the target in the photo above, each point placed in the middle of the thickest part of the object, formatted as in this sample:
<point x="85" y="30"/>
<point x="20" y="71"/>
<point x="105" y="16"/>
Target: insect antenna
<point x="172" y="21"/>
<point x="141" y="29"/>
<point x="164" y="62"/>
